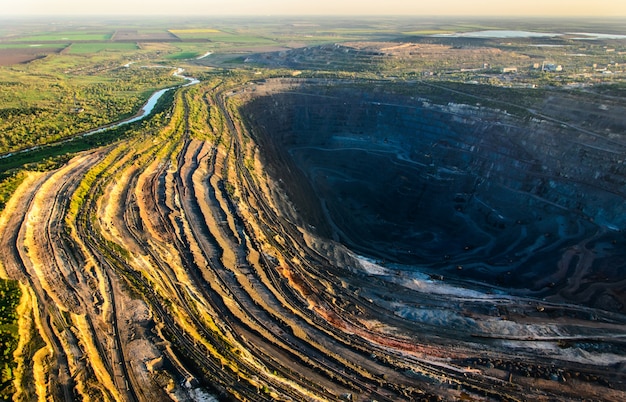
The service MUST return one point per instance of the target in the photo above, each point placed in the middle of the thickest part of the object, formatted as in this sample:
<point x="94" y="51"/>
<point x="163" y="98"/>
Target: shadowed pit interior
<point x="462" y="189"/>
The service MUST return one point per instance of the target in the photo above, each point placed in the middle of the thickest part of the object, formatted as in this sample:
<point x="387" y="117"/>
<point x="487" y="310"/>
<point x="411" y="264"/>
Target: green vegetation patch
<point x="85" y="48"/>
<point x="51" y="156"/>
<point x="226" y="37"/>
<point x="46" y="46"/>
<point x="10" y="295"/>
<point x="215" y="35"/>
<point x="181" y="51"/>
<point x="8" y="184"/>
<point x="68" y="35"/>
<point x="183" y="55"/>
<point x="36" y="109"/>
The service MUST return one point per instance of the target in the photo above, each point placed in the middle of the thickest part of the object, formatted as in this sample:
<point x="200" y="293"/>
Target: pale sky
<point x="547" y="8"/>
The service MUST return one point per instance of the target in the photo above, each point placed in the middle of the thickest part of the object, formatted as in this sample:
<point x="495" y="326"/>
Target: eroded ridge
<point x="175" y="265"/>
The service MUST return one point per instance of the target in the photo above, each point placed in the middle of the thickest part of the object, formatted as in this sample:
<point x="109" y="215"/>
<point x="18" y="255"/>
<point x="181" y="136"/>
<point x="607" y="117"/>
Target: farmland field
<point x="194" y="33"/>
<point x="226" y="37"/>
<point x="82" y="48"/>
<point x="65" y="36"/>
<point x="15" y="55"/>
<point x="188" y="50"/>
<point x="143" y="35"/>
<point x="32" y="45"/>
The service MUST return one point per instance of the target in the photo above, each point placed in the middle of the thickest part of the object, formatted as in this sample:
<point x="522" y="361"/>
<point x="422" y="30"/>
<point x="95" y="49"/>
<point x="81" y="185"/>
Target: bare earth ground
<point x="24" y="55"/>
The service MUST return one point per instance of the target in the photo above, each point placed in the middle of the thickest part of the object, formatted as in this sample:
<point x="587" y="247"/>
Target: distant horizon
<point x="322" y="8"/>
<point x="355" y="16"/>
<point x="364" y="17"/>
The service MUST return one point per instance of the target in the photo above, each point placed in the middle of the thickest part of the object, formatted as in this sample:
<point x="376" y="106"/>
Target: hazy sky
<point x="564" y="8"/>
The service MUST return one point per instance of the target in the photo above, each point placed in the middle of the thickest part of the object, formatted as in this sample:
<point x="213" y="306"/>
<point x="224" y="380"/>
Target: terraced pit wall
<point x="460" y="189"/>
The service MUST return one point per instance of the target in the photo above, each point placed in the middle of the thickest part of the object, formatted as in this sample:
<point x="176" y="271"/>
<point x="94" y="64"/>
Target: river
<point x="145" y="111"/>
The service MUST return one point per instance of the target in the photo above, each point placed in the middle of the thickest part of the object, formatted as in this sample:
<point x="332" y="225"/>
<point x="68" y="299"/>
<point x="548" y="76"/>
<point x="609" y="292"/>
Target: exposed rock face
<point x="529" y="202"/>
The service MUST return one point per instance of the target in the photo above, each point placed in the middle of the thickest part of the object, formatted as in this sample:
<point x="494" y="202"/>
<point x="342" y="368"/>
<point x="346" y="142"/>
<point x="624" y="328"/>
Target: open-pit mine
<point x="324" y="240"/>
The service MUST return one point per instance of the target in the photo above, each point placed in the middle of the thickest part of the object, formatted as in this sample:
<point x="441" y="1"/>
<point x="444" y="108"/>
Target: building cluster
<point x="549" y="67"/>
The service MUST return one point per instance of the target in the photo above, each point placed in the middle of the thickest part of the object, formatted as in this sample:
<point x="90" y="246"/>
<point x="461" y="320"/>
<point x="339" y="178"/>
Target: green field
<point x="189" y="50"/>
<point x="67" y="35"/>
<point x="183" y="55"/>
<point x="226" y="37"/>
<point x="84" y="48"/>
<point x="32" y="46"/>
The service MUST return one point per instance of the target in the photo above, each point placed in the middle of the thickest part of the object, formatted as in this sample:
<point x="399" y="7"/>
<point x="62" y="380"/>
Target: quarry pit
<point x="514" y="199"/>
<point x="332" y="240"/>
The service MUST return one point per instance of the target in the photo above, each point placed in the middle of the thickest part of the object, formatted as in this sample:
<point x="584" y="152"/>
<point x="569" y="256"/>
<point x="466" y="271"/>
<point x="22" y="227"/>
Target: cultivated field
<point x="20" y="54"/>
